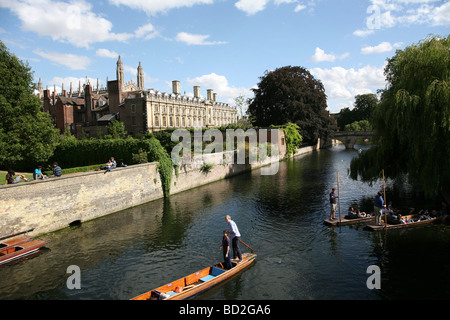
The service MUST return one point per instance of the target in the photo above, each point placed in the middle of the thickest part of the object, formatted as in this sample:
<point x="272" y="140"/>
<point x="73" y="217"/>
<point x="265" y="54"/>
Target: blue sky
<point x="224" y="45"/>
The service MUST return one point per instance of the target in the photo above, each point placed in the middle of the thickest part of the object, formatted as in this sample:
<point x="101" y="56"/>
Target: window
<point x="156" y="122"/>
<point x="164" y="122"/>
<point x="133" y="108"/>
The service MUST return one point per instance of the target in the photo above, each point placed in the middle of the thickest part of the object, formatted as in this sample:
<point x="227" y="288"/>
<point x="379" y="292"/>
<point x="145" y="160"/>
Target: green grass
<point x="50" y="172"/>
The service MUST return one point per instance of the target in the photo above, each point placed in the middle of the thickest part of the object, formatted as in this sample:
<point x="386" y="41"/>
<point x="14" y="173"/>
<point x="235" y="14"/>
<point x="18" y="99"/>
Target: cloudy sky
<point x="225" y="45"/>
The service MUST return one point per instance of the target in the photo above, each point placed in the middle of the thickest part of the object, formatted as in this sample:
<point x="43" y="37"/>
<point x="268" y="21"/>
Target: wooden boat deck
<point x="344" y="221"/>
<point x="197" y="282"/>
<point x="383" y="226"/>
<point x="18" y="247"/>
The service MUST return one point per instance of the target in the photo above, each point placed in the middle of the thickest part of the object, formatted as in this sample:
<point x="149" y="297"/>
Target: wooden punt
<point x="383" y="226"/>
<point x="19" y="247"/>
<point x="344" y="221"/>
<point x="197" y="282"/>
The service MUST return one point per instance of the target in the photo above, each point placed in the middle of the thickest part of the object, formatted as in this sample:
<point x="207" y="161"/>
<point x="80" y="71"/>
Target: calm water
<point x="127" y="253"/>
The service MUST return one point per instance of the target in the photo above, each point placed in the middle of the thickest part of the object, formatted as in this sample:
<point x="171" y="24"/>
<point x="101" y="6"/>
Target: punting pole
<point x="339" y="198"/>
<point x="246" y="245"/>
<point x="384" y="190"/>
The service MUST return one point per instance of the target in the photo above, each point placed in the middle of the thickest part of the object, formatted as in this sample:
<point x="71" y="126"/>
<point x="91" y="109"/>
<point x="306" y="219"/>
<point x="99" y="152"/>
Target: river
<point x="299" y="258"/>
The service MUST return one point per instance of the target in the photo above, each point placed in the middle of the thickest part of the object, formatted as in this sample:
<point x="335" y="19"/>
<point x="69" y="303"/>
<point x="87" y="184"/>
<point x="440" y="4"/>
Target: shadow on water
<point x="281" y="216"/>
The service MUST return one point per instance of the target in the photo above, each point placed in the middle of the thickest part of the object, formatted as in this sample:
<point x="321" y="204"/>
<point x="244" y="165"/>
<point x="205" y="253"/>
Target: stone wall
<point x="53" y="204"/>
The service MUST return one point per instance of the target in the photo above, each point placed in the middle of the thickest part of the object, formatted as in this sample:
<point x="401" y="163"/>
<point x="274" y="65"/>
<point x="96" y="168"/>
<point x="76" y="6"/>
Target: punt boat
<point x="384" y="226"/>
<point x="343" y="221"/>
<point x="19" y="247"/>
<point x="197" y="282"/>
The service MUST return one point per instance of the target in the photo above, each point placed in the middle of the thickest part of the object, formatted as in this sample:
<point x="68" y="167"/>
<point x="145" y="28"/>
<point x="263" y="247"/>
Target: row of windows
<point x="195" y="111"/>
<point x="185" y="122"/>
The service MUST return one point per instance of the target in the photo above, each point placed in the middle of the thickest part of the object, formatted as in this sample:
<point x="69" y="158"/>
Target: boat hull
<point x="19" y="247"/>
<point x="383" y="226"/>
<point x="193" y="284"/>
<point x="344" y="221"/>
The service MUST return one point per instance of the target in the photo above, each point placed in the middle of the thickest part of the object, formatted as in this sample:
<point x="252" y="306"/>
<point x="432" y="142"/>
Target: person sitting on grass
<point x="9" y="178"/>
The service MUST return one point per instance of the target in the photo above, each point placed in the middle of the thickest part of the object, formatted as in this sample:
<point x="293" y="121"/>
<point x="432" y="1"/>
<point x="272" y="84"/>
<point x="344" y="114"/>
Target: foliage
<point x="206" y="168"/>
<point x="362" y="110"/>
<point x="72" y="153"/>
<point x="412" y="121"/>
<point x="27" y="134"/>
<point x="362" y="125"/>
<point x="140" y="157"/>
<point x="293" y="138"/>
<point x="116" y="130"/>
<point x="292" y="94"/>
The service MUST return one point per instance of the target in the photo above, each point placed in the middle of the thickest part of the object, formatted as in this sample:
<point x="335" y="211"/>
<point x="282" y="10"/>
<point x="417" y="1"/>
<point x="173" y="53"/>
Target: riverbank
<point x="54" y="204"/>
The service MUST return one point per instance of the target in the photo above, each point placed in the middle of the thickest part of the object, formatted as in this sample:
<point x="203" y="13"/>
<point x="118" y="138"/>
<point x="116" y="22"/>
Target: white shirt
<point x="234" y="229"/>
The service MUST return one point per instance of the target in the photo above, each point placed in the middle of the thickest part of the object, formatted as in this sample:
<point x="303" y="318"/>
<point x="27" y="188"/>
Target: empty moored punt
<point x="197" y="282"/>
<point x="383" y="226"/>
<point x="19" y="247"/>
<point x="343" y="221"/>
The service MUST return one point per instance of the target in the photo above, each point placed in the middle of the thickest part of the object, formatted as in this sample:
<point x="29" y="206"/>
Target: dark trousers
<point x="236" y="250"/>
<point x="227" y="260"/>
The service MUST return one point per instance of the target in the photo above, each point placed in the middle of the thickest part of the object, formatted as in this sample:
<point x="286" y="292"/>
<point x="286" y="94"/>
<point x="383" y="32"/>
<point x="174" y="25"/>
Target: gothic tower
<point x="140" y="77"/>
<point x="119" y="72"/>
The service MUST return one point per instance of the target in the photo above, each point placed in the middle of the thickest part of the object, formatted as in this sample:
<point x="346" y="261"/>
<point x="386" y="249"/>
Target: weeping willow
<point x="412" y="120"/>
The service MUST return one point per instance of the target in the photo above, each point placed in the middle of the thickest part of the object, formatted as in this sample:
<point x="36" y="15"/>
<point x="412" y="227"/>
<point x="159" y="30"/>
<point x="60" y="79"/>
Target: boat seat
<point x="214" y="272"/>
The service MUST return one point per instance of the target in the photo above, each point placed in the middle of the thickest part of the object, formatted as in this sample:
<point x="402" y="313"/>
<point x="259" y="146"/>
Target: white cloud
<point x="342" y="85"/>
<point x="363" y="33"/>
<point x="382" y="47"/>
<point x="251" y="6"/>
<point x="220" y="85"/>
<point x="106" y="53"/>
<point x="72" y="22"/>
<point x="320" y="56"/>
<point x="195" y="39"/>
<point x="155" y="7"/>
<point x="147" y="32"/>
<point x="389" y="13"/>
<point x="74" y="62"/>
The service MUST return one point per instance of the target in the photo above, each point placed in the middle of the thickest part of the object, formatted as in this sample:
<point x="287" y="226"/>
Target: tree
<point x="292" y="94"/>
<point x="412" y="120"/>
<point x="362" y="110"/>
<point x="116" y="130"/>
<point x="27" y="134"/>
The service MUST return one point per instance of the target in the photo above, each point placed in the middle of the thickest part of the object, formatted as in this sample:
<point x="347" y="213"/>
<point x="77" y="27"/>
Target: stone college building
<point x="87" y="111"/>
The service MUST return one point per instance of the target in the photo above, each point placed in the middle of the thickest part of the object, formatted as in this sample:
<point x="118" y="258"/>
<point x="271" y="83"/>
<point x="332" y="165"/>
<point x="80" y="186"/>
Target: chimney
<point x="176" y="87"/>
<point x="209" y="93"/>
<point x="215" y="97"/>
<point x="196" y="91"/>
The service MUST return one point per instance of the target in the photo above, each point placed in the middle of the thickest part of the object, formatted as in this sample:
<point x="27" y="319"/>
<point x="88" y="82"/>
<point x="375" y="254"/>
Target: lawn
<point x="48" y="173"/>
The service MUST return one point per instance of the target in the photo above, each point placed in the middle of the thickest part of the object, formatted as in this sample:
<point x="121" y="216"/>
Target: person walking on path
<point x="235" y="238"/>
<point x="378" y="206"/>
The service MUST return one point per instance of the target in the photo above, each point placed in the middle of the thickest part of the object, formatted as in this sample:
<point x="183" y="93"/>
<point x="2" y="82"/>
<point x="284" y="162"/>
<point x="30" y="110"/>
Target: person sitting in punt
<point x="363" y="214"/>
<point x="351" y="214"/>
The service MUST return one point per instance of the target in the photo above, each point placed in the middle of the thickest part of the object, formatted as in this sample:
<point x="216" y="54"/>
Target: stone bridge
<point x="348" y="138"/>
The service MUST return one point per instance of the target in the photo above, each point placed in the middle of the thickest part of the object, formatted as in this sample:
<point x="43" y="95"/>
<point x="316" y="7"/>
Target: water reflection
<point x="127" y="253"/>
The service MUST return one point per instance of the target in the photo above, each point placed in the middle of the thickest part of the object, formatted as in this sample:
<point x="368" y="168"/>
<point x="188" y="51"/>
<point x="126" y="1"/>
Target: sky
<point x="224" y="45"/>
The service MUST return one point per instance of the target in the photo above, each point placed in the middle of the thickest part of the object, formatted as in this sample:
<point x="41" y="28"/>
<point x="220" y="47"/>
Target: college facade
<point x="87" y="111"/>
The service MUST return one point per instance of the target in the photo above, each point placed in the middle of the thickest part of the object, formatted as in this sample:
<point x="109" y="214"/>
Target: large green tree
<point x="27" y="134"/>
<point x="362" y="110"/>
<point x="292" y="94"/>
<point x="412" y="121"/>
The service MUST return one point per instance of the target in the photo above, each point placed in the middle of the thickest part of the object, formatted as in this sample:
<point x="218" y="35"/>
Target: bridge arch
<point x="348" y="138"/>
